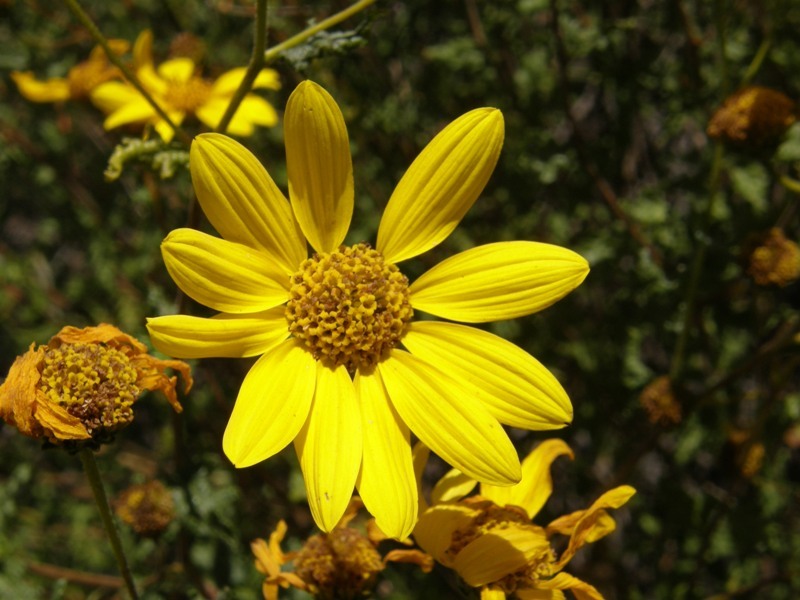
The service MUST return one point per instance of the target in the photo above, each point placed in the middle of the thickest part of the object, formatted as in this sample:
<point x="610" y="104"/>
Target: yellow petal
<point x="329" y="446"/>
<point x="565" y="581"/>
<point x="487" y="594"/>
<point x="242" y="202"/>
<point x="537" y="484"/>
<point x="386" y="483"/>
<point x="498" y="281"/>
<point x="136" y="111"/>
<point x="227" y="83"/>
<point x="223" y="275"/>
<point x="153" y="83"/>
<point x="52" y="90"/>
<point x="449" y="420"/>
<point x="434" y="530"/>
<point x="224" y="335"/>
<point x="532" y="594"/>
<point x="112" y="95"/>
<point x="177" y="70"/>
<point x="272" y="405"/>
<point x="453" y="486"/>
<point x="497" y="553"/>
<point x="441" y="185"/>
<point x="143" y="49"/>
<point x="251" y="112"/>
<point x="319" y="166"/>
<point x="513" y="385"/>
<point x="164" y="129"/>
<point x="419" y="456"/>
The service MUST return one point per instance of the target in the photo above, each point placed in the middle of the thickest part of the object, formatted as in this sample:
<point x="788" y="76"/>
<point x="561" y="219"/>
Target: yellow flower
<point x="178" y="88"/>
<point x="79" y="82"/>
<point x="331" y="376"/>
<point x="83" y="383"/>
<point x="490" y="541"/>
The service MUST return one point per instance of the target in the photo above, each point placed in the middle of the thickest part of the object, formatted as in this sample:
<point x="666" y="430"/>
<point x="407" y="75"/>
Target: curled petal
<point x="498" y="281"/>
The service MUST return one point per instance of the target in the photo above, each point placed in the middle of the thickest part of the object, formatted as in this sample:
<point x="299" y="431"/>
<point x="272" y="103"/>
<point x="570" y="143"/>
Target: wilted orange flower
<point x="659" y="400"/>
<point x="83" y="383"/>
<point x="147" y="508"/>
<point x="80" y="80"/>
<point x="754" y="116"/>
<point x="776" y="260"/>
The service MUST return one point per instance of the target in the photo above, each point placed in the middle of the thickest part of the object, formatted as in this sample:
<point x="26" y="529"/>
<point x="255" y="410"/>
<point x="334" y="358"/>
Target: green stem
<point x="253" y="69"/>
<point x="758" y="59"/>
<point x="301" y="37"/>
<point x="96" y="483"/>
<point x="722" y="44"/>
<point x="129" y="75"/>
<point x="790" y="184"/>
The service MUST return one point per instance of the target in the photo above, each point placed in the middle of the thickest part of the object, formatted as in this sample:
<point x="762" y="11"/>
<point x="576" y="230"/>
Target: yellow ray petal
<point x="329" y="446"/>
<point x="487" y="594"/>
<point x="242" y="202"/>
<point x="227" y="83"/>
<point x="441" y="185"/>
<point x="513" y="385"/>
<point x="143" y="49"/>
<point x="52" y="90"/>
<point x="537" y="484"/>
<point x="532" y="594"/>
<point x="223" y="275"/>
<point x="449" y="421"/>
<point x="434" y="530"/>
<point x="319" y="166"/>
<point x="453" y="486"/>
<point x="224" y="335"/>
<point x="272" y="405"/>
<point x="386" y="483"/>
<point x="136" y="111"/>
<point x="178" y="70"/>
<point x="112" y="95"/>
<point x="252" y="111"/>
<point x="565" y="581"/>
<point x="497" y="553"/>
<point x="498" y="281"/>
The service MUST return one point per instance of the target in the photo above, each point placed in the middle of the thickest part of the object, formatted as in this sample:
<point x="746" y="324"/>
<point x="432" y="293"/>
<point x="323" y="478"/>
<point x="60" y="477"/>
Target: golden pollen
<point x="92" y="382"/>
<point x="187" y="96"/>
<point x="349" y="307"/>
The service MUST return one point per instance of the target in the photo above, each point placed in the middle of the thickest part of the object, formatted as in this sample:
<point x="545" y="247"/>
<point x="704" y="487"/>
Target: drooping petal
<point x="434" y="530"/>
<point x="500" y="552"/>
<point x="441" y="185"/>
<point x="224" y="335"/>
<point x="386" y="483"/>
<point x="227" y="83"/>
<point x="52" y="90"/>
<point x="272" y="406"/>
<point x="329" y="446"/>
<point x="223" y="275"/>
<point x="537" y="484"/>
<point x="242" y="202"/>
<point x="319" y="166"/>
<point x="498" y="281"/>
<point x="453" y="486"/>
<point x="449" y="420"/>
<point x="513" y="385"/>
<point x="565" y="581"/>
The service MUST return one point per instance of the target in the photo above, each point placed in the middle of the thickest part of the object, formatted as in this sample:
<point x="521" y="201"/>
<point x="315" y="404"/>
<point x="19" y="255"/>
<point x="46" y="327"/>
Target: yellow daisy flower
<point x="332" y="376"/>
<point x="490" y="541"/>
<point x="80" y="80"/>
<point x="178" y="88"/>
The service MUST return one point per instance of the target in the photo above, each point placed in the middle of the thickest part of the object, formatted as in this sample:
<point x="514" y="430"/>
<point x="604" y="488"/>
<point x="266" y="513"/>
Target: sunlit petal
<point x="441" y="185"/>
<point x="178" y="70"/>
<point x="580" y="589"/>
<point x="272" y="406"/>
<point x="224" y="335"/>
<point x="434" y="530"/>
<point x="319" y="166"/>
<point x="498" y="281"/>
<point x="537" y="484"/>
<point x="449" y="421"/>
<point x="513" y="385"/>
<point x="52" y="90"/>
<point x="242" y="202"/>
<point x="227" y="83"/>
<point x="454" y="485"/>
<point x="386" y="484"/>
<point x="223" y="275"/>
<point x="135" y="111"/>
<point x="329" y="446"/>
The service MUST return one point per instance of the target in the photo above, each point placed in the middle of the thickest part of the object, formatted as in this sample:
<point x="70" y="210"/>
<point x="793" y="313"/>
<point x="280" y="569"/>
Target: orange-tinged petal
<point x="319" y="166"/>
<point x="500" y="552"/>
<point x="329" y="446"/>
<point x="532" y="594"/>
<point x="513" y="385"/>
<point x="453" y="486"/>
<point x="386" y="483"/>
<point x="441" y="185"/>
<point x="537" y="484"/>
<point x="449" y="421"/>
<point x="564" y="581"/>
<point x="224" y="335"/>
<point x="272" y="406"/>
<point x="223" y="275"/>
<point x="498" y="281"/>
<point x="242" y="202"/>
<point x="52" y="90"/>
<point x="58" y="423"/>
<point x="434" y="530"/>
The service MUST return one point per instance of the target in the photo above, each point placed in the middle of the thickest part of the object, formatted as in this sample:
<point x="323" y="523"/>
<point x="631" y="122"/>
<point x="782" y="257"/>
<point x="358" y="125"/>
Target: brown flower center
<point x="348" y="307"/>
<point x="187" y="96"/>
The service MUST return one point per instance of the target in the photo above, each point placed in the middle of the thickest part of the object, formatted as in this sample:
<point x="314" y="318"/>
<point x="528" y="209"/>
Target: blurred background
<point x="679" y="354"/>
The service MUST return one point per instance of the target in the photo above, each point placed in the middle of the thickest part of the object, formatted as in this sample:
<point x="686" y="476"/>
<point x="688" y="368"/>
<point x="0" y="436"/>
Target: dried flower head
<point x="147" y="508"/>
<point x="659" y="400"/>
<point x="83" y="383"/>
<point x="775" y="260"/>
<point x="754" y="117"/>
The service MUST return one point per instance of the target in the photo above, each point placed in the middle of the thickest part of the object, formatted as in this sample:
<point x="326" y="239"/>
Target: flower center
<point x="348" y="307"/>
<point x="187" y="96"/>
<point x="94" y="383"/>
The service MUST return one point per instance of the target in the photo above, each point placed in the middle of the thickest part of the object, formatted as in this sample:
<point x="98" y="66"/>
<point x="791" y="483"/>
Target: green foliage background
<point x="605" y="109"/>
